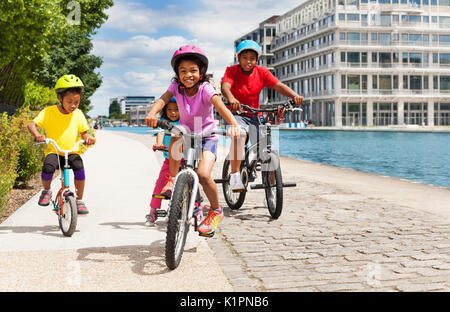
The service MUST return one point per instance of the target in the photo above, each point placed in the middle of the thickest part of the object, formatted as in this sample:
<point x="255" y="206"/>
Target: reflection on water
<point x="421" y="157"/>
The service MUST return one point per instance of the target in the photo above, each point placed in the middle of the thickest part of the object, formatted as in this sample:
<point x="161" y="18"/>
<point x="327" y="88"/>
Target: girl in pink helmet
<point x="196" y="99"/>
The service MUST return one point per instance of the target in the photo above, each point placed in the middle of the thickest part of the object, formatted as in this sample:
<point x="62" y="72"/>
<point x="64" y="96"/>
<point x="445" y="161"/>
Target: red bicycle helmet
<point x="189" y="50"/>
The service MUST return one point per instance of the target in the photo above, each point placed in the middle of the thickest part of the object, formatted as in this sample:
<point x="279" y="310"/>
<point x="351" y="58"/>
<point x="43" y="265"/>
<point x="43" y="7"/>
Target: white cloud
<point x="140" y="64"/>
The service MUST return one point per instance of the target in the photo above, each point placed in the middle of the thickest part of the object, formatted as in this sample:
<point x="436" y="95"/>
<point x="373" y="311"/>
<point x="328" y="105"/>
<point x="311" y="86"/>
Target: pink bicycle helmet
<point x="189" y="50"/>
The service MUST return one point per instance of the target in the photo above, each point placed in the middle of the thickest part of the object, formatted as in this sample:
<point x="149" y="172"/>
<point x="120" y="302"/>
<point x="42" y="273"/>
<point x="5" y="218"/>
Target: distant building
<point x="126" y="102"/>
<point x="367" y="62"/>
<point x="265" y="36"/>
<point x="138" y="113"/>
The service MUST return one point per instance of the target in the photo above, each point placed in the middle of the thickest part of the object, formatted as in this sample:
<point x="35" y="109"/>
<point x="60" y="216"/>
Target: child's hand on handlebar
<point x="151" y="121"/>
<point x="233" y="131"/>
<point x="298" y="100"/>
<point x="89" y="140"/>
<point x="39" y="138"/>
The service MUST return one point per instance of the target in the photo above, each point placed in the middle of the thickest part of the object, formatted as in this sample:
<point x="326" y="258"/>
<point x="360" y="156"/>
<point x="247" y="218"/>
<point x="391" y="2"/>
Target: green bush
<point x="29" y="157"/>
<point x="8" y="156"/>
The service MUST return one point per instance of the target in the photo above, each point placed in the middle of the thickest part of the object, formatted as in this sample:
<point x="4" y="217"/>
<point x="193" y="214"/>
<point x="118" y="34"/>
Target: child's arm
<point x="159" y="139"/>
<point x="235" y="105"/>
<point x="227" y="115"/>
<point x="151" y="119"/>
<point x="87" y="138"/>
<point x="288" y="92"/>
<point x="33" y="129"/>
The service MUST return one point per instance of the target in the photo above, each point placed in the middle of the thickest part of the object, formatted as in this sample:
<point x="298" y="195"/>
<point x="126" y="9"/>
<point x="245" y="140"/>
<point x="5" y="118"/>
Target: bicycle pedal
<point x="209" y="235"/>
<point x="161" y="196"/>
<point x="161" y="213"/>
<point x="238" y="191"/>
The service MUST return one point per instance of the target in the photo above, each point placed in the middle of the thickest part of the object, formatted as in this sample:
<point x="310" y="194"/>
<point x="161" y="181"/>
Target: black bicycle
<point x="182" y="200"/>
<point x="267" y="161"/>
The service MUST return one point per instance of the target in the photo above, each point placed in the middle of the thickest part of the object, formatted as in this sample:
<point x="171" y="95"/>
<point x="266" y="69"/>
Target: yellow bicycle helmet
<point x="67" y="82"/>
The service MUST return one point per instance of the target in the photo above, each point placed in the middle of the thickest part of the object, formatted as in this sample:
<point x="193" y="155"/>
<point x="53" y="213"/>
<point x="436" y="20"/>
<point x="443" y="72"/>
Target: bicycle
<point x="268" y="162"/>
<point x="64" y="204"/>
<point x="181" y="207"/>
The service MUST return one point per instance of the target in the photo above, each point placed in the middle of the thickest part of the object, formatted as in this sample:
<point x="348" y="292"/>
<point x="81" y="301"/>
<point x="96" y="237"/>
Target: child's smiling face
<point x="247" y="60"/>
<point x="188" y="73"/>
<point x="71" y="101"/>
<point x="172" y="111"/>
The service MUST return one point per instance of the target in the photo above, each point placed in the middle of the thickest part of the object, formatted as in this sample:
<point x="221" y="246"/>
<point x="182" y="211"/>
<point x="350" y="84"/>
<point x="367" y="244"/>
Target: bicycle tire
<point x="68" y="221"/>
<point x="233" y="200"/>
<point x="274" y="193"/>
<point x="178" y="223"/>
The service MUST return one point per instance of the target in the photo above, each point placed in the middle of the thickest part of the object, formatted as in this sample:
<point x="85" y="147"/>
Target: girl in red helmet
<point x="196" y="99"/>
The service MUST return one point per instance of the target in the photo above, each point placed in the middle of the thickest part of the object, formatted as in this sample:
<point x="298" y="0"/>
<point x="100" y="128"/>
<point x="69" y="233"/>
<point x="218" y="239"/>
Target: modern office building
<point x="367" y="62"/>
<point x="138" y="113"/>
<point x="264" y="34"/>
<point x="126" y="102"/>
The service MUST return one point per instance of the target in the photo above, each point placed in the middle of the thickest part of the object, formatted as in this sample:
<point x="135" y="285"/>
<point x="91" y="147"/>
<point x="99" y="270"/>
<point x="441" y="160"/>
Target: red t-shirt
<point x="246" y="89"/>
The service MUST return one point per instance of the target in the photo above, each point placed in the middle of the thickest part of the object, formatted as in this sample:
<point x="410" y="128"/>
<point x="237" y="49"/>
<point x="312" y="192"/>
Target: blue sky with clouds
<point x="140" y="37"/>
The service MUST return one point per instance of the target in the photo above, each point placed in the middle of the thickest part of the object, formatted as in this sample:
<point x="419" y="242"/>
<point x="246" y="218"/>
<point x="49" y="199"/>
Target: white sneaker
<point x="236" y="184"/>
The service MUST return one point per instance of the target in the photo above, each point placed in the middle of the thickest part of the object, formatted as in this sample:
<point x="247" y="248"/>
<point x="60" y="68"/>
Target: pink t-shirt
<point x="196" y="112"/>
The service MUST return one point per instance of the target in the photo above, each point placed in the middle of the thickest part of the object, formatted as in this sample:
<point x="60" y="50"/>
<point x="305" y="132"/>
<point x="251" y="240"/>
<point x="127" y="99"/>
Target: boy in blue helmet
<point x="242" y="83"/>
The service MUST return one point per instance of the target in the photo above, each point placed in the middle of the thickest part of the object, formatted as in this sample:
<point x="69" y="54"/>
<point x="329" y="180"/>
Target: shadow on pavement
<point x="145" y="260"/>
<point x="47" y="230"/>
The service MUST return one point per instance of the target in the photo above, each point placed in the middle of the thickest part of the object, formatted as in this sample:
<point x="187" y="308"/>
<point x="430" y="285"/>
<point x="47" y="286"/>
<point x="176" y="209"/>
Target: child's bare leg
<point x="46" y="184"/>
<point x="236" y="153"/>
<point x="79" y="186"/>
<point x="204" y="170"/>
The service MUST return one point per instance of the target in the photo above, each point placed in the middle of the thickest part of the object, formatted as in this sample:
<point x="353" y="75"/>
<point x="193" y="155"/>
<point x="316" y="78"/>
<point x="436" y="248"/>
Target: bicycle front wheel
<point x="233" y="200"/>
<point x="273" y="185"/>
<point x="69" y="216"/>
<point x="178" y="223"/>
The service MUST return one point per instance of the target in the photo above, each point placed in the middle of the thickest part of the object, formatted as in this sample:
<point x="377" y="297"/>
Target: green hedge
<point x="20" y="160"/>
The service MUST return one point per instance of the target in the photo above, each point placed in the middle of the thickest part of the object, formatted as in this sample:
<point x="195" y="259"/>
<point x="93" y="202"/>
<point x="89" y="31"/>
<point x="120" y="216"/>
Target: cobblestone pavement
<point x="331" y="239"/>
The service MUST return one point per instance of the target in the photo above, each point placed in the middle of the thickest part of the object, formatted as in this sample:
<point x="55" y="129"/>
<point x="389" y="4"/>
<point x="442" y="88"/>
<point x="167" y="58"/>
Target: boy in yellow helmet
<point x="63" y="123"/>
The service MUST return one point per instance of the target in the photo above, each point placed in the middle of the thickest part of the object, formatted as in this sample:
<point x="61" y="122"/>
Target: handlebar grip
<point x="164" y="124"/>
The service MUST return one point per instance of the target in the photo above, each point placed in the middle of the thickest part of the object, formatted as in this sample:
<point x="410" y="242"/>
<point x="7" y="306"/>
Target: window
<point x="385" y="82"/>
<point x="343" y="82"/>
<point x="363" y="57"/>
<point x="425" y="2"/>
<point x="342" y="56"/>
<point x="415" y="82"/>
<point x="374" y="82"/>
<point x="444" y="21"/>
<point x="434" y="19"/>
<point x="364" y="82"/>
<point x="435" y="58"/>
<point x="404" y="18"/>
<point x="395" y="80"/>
<point x="385" y="20"/>
<point x="374" y="57"/>
<point x="364" y="19"/>
<point x="373" y="36"/>
<point x="353" y="57"/>
<point x="415" y="58"/>
<point x="444" y="58"/>
<point x="426" y="39"/>
<point x="435" y="83"/>
<point x="395" y="57"/>
<point x="395" y="18"/>
<point x="414" y="18"/>
<point x="425" y="82"/>
<point x="425" y="58"/>
<point x="444" y="39"/>
<point x="405" y="58"/>
<point x="445" y="83"/>
<point x="426" y="19"/>
<point x="434" y="38"/>
<point x="341" y="36"/>
<point x="385" y="39"/>
<point x="405" y="82"/>
<point x="352" y="36"/>
<point x="353" y="82"/>
<point x="433" y="2"/>
<point x="404" y="37"/>
<point x="341" y="16"/>
<point x="352" y="17"/>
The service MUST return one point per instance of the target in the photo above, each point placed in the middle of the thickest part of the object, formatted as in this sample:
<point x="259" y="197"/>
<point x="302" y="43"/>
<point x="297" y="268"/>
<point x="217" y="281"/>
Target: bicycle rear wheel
<point x="273" y="185"/>
<point x="178" y="223"/>
<point x="234" y="200"/>
<point x="68" y="219"/>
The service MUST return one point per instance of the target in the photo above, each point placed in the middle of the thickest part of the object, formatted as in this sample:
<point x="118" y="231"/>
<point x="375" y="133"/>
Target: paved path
<point x="111" y="250"/>
<point x="340" y="230"/>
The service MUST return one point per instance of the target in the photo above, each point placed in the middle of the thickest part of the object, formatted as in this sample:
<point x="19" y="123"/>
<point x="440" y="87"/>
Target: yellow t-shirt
<point x="63" y="128"/>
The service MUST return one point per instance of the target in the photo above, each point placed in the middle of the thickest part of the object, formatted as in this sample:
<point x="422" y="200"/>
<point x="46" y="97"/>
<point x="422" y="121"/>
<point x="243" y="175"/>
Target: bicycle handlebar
<point x="167" y="125"/>
<point x="53" y="142"/>
<point x="289" y="105"/>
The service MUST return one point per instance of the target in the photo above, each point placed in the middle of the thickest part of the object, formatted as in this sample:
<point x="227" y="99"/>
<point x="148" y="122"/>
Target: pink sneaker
<point x="46" y="197"/>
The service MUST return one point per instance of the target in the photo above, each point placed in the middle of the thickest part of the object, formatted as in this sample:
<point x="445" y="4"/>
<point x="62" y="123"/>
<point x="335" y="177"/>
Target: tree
<point x="71" y="55"/>
<point x="114" y="110"/>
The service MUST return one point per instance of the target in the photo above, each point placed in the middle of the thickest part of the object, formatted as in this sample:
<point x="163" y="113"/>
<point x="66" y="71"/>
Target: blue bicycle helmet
<point x="248" y="45"/>
<point x="173" y="99"/>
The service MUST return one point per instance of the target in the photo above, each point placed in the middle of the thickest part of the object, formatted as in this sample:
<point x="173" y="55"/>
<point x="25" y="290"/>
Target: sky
<point x="139" y="38"/>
